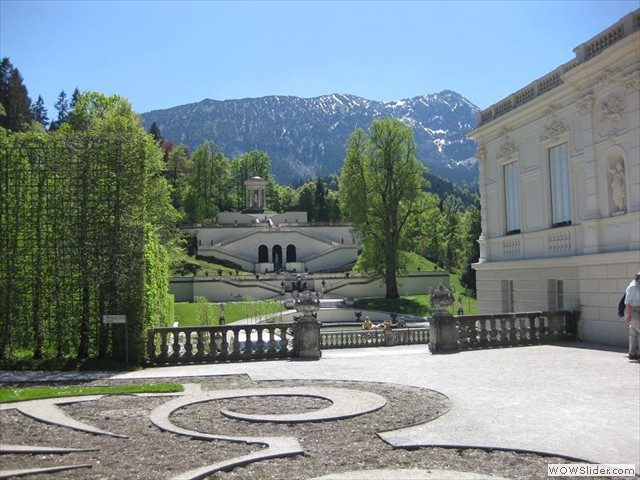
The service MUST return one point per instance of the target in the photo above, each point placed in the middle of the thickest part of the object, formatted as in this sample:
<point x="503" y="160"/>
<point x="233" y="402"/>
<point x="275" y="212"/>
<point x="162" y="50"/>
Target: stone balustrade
<point x="374" y="338"/>
<point x="449" y="333"/>
<point x="183" y="345"/>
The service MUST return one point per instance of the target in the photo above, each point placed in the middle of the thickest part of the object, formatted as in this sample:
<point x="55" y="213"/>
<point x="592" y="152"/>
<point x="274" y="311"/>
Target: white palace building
<point x="263" y="243"/>
<point x="560" y="187"/>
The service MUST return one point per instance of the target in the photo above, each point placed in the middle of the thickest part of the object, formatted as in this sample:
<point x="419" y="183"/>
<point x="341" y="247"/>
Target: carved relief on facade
<point x="554" y="126"/>
<point x="617" y="184"/>
<point x="631" y="80"/>
<point x="507" y="147"/>
<point x="481" y="154"/>
<point x="612" y="116"/>
<point x="585" y="103"/>
<point x="606" y="78"/>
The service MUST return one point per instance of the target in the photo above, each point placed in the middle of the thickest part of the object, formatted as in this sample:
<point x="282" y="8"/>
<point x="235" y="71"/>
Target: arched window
<point x="291" y="253"/>
<point x="263" y="254"/>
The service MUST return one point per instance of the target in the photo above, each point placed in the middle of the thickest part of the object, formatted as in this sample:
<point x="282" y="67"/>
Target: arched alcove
<point x="276" y="254"/>
<point x="291" y="253"/>
<point x="616" y="181"/>
<point x="263" y="254"/>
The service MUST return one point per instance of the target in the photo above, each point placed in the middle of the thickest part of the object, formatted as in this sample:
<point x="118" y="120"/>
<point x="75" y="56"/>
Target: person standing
<point x="632" y="316"/>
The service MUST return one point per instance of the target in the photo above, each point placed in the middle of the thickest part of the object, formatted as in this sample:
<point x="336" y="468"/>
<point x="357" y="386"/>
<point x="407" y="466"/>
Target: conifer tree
<point x="14" y="98"/>
<point x="62" y="107"/>
<point x="75" y="96"/>
<point x="39" y="111"/>
<point x="155" y="131"/>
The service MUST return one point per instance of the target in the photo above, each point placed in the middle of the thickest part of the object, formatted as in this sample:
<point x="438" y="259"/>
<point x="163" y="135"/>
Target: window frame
<point x="512" y="198"/>
<point x="560" y="185"/>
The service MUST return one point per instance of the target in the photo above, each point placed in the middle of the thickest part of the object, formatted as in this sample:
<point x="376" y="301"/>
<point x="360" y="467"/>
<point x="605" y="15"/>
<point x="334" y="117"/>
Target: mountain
<point x="306" y="137"/>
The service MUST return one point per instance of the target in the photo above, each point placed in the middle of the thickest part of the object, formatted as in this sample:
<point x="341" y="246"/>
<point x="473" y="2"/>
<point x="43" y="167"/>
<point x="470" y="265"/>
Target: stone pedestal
<point x="307" y="326"/>
<point x="443" y="336"/>
<point x="308" y="338"/>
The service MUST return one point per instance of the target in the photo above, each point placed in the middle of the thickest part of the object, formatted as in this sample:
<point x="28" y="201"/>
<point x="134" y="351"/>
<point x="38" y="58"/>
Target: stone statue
<point x="618" y="188"/>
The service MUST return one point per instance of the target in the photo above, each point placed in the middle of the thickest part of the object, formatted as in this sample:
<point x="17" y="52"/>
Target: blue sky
<point x="163" y="54"/>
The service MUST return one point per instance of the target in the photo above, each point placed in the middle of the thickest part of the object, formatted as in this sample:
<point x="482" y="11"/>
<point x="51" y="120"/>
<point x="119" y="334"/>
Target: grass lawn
<point x="420" y="304"/>
<point x="186" y="313"/>
<point x="34" y="393"/>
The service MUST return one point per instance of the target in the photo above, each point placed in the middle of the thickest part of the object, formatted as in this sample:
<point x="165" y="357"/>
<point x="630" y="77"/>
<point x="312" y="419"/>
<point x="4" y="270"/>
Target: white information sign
<point x="114" y="319"/>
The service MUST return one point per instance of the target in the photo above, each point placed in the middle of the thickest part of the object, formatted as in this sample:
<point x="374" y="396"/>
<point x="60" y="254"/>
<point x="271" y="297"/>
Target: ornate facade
<point x="560" y="187"/>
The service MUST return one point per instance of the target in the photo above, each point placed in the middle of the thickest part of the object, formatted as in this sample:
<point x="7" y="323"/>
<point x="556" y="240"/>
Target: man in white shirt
<point x="632" y="315"/>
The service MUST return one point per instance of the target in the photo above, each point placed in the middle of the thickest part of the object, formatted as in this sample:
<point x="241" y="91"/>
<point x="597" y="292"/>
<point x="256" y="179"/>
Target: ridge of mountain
<point x="306" y="137"/>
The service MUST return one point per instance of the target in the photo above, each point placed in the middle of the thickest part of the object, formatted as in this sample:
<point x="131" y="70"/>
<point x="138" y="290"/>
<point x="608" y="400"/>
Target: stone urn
<point x="307" y="303"/>
<point x="442" y="297"/>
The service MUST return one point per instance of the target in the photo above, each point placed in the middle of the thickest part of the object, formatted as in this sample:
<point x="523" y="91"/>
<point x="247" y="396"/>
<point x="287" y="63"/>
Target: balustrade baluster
<point x="188" y="346"/>
<point x="199" y="353"/>
<point x="493" y="331"/>
<point x="504" y="339"/>
<point x="259" y="342"/>
<point x="235" y="342"/>
<point x="218" y="346"/>
<point x="462" y="328"/>
<point x="209" y="346"/>
<point x="483" y="335"/>
<point x="164" y="346"/>
<point x="544" y="327"/>
<point x="473" y="333"/>
<point x="533" y="338"/>
<point x="523" y="330"/>
<point x="248" y="344"/>
<point x="513" y="333"/>
<point x="271" y="343"/>
<point x="176" y="346"/>
<point x="284" y="340"/>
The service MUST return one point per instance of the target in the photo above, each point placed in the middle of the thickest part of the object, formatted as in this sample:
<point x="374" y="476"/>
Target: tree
<point x="39" y="111"/>
<point x="14" y="98"/>
<point x="448" y="231"/>
<point x="471" y="227"/>
<point x="154" y="130"/>
<point x="306" y="200"/>
<point x="207" y="188"/>
<point x="178" y="171"/>
<point x="251" y="164"/>
<point x="75" y="96"/>
<point x="380" y="184"/>
<point x="320" y="201"/>
<point x="284" y="198"/>
<point x="62" y="107"/>
<point x="423" y="237"/>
